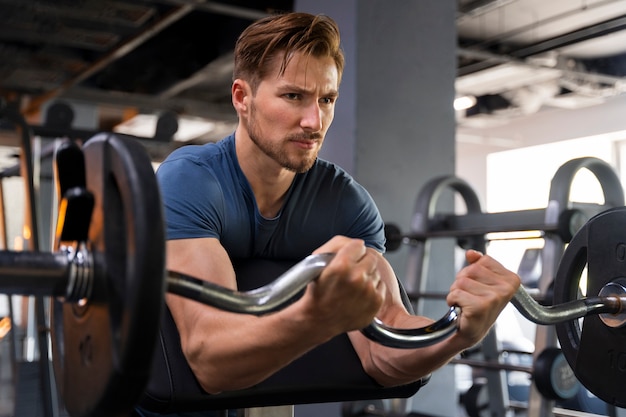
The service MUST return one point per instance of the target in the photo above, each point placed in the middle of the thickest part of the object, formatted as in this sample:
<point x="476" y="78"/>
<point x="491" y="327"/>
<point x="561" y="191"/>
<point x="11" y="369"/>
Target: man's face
<point x="290" y="114"/>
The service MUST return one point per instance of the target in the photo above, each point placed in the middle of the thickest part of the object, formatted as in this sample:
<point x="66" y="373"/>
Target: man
<point x="263" y="193"/>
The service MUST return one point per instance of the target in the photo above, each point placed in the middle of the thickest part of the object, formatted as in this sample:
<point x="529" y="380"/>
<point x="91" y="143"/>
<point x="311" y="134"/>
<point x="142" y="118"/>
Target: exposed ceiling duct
<point x="514" y="56"/>
<point x="519" y="57"/>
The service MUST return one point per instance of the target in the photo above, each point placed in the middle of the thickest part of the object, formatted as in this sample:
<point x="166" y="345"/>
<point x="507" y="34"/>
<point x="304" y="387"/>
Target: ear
<point x="241" y="94"/>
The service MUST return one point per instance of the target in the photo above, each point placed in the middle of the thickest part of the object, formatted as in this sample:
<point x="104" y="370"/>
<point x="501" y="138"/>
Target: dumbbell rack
<point x="557" y="223"/>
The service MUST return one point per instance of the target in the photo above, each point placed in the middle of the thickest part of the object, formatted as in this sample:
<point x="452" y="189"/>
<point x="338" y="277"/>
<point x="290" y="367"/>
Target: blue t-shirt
<point x="206" y="194"/>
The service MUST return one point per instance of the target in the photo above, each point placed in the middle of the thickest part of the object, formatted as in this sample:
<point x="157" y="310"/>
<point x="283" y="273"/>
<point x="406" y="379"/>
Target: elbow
<point x="211" y="368"/>
<point x="201" y="364"/>
<point x="386" y="374"/>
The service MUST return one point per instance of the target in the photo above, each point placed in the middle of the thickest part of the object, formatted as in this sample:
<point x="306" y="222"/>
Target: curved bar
<point x="561" y="313"/>
<point x="259" y="301"/>
<point x="281" y="292"/>
<point x="413" y="338"/>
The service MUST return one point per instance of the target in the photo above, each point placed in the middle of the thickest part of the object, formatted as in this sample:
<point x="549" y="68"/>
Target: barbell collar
<point x="80" y="273"/>
<point x="615" y="289"/>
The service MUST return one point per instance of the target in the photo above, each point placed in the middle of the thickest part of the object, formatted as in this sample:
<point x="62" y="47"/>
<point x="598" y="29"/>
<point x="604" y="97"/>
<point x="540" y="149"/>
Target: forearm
<point x="392" y="367"/>
<point x="481" y="289"/>
<point x="228" y="351"/>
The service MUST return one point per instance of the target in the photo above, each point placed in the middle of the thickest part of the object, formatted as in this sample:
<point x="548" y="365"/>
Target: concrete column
<point x="394" y="126"/>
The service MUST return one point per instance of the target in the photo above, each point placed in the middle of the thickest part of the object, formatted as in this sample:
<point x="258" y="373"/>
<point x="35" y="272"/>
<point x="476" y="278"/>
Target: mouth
<point x="306" y="144"/>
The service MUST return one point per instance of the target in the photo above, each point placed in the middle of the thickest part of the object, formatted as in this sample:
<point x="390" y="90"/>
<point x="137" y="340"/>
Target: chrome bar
<point x="572" y="310"/>
<point x="259" y="301"/>
<point x="413" y="338"/>
<point x="281" y="292"/>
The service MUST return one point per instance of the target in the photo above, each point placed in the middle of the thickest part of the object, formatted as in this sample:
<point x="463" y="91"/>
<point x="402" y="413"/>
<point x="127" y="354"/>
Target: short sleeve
<point x="192" y="198"/>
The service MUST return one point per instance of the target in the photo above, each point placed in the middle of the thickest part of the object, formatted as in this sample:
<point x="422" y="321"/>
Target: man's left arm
<point x="482" y="290"/>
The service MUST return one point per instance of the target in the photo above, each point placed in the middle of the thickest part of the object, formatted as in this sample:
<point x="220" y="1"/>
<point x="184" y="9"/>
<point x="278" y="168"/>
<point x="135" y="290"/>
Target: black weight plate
<point x="103" y="350"/>
<point x="476" y="400"/>
<point x="553" y="376"/>
<point x="595" y="352"/>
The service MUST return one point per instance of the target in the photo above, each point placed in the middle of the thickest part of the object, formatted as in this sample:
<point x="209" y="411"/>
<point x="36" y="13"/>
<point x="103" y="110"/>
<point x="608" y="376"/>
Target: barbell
<point x="107" y="276"/>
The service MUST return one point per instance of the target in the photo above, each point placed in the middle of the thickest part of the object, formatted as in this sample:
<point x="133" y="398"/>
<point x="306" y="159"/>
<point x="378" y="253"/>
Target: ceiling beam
<point x="124" y="49"/>
<point x="149" y="103"/>
<point x="589" y="32"/>
<point x="495" y="59"/>
<point x="221" y="8"/>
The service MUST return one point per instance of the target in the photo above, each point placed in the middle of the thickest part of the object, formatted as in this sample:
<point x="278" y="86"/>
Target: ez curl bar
<point x="611" y="306"/>
<point x="108" y="280"/>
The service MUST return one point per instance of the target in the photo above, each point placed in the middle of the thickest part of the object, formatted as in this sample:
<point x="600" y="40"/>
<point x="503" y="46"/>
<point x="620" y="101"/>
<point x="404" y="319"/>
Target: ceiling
<point x="515" y="57"/>
<point x="519" y="57"/>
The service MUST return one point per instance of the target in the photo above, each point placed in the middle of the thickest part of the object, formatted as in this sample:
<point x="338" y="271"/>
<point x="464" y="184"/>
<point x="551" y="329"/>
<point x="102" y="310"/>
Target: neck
<point x="269" y="181"/>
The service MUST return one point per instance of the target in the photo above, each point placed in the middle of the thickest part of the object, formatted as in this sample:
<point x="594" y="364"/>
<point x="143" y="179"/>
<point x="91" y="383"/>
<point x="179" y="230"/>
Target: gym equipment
<point x="115" y="259"/>
<point x="331" y="372"/>
<point x="594" y="347"/>
<point x="554" y="225"/>
<point x="550" y="372"/>
<point x="281" y="291"/>
<point x="26" y="168"/>
<point x="553" y="375"/>
<point x="561" y="218"/>
<point x="109" y="281"/>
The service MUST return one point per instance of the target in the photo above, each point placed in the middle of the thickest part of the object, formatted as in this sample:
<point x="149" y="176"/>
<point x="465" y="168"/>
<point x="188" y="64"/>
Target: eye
<point x="292" y="96"/>
<point x="327" y="100"/>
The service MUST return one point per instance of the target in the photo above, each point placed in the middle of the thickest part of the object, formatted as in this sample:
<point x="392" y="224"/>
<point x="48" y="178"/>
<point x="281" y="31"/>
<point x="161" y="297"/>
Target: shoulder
<point x="191" y="160"/>
<point x="329" y="172"/>
<point x="197" y="171"/>
<point x="337" y="181"/>
<point x="201" y="154"/>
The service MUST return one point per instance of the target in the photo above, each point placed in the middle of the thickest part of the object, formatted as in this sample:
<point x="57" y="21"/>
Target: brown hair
<point x="316" y="35"/>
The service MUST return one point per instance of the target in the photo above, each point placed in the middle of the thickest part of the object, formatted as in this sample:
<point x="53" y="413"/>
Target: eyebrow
<point x="300" y="90"/>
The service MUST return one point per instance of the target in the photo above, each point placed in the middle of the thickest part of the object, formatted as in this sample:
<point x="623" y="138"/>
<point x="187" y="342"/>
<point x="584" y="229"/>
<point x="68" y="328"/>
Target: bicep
<point x="202" y="258"/>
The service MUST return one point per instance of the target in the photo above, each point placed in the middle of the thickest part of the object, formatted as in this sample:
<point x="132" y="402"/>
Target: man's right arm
<point x="229" y="351"/>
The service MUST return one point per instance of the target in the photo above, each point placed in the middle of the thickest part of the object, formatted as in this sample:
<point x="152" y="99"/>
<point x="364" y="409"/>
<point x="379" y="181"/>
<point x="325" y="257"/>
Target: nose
<point x="312" y="118"/>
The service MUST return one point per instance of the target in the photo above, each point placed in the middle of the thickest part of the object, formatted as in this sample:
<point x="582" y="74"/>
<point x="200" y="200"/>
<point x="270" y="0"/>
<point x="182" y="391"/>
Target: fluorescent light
<point x="144" y="125"/>
<point x="464" y="102"/>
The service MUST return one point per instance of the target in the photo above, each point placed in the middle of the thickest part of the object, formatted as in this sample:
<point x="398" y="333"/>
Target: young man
<point x="263" y="193"/>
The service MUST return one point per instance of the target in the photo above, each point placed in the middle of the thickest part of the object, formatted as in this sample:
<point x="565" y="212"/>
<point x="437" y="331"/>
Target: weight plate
<point x="102" y="350"/>
<point x="595" y="352"/>
<point x="476" y="400"/>
<point x="553" y="376"/>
